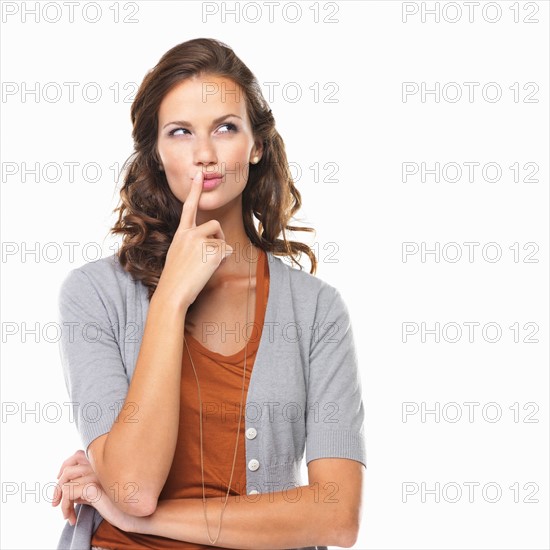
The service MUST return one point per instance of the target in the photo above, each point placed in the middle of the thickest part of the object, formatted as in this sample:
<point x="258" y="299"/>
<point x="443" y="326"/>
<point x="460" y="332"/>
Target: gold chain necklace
<point x="239" y="420"/>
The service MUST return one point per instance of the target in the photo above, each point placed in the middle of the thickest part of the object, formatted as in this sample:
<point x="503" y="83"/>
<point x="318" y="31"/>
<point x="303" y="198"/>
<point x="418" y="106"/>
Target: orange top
<point x="220" y="378"/>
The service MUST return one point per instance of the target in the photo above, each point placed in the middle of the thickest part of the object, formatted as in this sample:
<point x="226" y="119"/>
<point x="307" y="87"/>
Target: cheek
<point x="178" y="185"/>
<point x="172" y="156"/>
<point x="176" y="168"/>
<point x="236" y="156"/>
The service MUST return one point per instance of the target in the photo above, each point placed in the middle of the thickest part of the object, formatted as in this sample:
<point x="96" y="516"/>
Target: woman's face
<point x="203" y="126"/>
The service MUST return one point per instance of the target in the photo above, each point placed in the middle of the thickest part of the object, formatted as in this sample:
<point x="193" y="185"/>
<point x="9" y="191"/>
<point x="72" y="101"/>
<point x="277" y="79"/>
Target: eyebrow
<point x="185" y="123"/>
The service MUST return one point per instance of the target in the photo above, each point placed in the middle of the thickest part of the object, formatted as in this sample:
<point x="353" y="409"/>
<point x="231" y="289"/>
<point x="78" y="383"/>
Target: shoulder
<point x="310" y="292"/>
<point x="105" y="276"/>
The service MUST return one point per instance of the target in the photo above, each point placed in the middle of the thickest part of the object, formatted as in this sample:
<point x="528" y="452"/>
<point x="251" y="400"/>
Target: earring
<point x="255" y="160"/>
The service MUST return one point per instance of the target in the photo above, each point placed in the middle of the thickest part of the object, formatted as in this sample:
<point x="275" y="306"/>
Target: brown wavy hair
<point x="149" y="213"/>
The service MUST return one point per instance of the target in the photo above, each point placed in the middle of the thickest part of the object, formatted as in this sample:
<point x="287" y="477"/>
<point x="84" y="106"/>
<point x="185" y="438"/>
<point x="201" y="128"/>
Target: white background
<point x="365" y="215"/>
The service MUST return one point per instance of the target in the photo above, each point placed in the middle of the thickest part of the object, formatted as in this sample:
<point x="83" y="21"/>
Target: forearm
<point x="139" y="449"/>
<point x="308" y="515"/>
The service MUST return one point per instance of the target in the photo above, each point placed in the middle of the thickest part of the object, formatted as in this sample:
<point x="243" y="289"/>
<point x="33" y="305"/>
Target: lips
<point x="212" y="176"/>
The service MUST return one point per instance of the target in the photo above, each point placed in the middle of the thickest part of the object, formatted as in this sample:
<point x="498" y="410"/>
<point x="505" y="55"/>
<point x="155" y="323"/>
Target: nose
<point x="204" y="151"/>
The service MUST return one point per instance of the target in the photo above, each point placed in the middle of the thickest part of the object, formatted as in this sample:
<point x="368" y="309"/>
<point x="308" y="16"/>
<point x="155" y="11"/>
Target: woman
<point x="194" y="425"/>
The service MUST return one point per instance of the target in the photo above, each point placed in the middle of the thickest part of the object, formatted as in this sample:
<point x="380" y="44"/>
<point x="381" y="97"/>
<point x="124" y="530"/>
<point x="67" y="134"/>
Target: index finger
<point x="190" y="206"/>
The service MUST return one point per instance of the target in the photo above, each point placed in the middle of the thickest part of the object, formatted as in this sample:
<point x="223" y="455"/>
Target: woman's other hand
<point x="77" y="483"/>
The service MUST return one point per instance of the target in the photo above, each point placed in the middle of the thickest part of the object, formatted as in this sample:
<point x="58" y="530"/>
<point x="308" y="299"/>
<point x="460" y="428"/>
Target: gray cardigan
<point x="305" y="387"/>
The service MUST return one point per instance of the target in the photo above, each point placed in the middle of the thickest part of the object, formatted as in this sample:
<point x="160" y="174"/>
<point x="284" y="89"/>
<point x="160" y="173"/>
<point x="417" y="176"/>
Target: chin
<point x="216" y="202"/>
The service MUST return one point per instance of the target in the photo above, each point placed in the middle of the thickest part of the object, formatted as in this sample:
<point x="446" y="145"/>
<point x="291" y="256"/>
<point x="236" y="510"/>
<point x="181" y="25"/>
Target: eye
<point x="173" y="132"/>
<point x="230" y="126"/>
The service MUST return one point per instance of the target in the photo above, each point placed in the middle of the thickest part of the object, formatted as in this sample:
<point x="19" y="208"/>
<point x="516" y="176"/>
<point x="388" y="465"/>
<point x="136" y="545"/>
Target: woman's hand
<point x="78" y="484"/>
<point x="194" y="253"/>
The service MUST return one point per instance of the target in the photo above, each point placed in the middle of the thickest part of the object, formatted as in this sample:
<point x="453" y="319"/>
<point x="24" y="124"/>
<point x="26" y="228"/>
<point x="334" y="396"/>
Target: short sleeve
<point x="335" y="410"/>
<point x="93" y="369"/>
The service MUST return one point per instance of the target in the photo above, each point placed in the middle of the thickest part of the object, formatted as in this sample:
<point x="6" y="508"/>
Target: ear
<point x="257" y="150"/>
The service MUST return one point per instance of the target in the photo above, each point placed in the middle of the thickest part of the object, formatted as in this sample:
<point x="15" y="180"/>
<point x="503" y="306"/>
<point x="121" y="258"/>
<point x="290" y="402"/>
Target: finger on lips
<point x="191" y="203"/>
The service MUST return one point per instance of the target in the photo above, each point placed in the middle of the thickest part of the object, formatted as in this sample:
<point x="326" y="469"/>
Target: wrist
<point x="129" y="524"/>
<point x="168" y="303"/>
<point x="135" y="524"/>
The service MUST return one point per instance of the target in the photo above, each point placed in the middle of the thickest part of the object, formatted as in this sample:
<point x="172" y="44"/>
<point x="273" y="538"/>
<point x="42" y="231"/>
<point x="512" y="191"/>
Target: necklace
<point x="238" y="426"/>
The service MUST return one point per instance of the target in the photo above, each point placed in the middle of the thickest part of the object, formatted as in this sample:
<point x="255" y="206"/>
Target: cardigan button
<point x="251" y="433"/>
<point x="253" y="465"/>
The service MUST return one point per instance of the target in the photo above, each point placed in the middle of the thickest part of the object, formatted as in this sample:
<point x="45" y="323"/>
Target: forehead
<point x="199" y="96"/>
